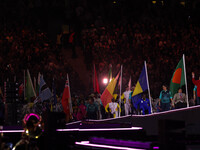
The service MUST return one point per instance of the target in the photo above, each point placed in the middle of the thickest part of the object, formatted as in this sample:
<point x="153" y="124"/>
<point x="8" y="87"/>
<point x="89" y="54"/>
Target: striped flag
<point x="107" y="95"/>
<point x="45" y="92"/>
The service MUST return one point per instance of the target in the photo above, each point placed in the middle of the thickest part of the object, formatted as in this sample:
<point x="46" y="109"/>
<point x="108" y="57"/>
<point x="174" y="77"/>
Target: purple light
<point x="11" y="131"/>
<point x="102" y="129"/>
<point x="32" y="114"/>
<point x="155" y="147"/>
<point x="67" y="129"/>
<point x="86" y="143"/>
<point x="72" y="123"/>
<point x="116" y="142"/>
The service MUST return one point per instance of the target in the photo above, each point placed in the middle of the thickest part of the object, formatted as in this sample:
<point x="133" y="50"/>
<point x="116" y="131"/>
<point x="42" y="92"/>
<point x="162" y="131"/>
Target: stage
<point x="150" y="122"/>
<point x="176" y="129"/>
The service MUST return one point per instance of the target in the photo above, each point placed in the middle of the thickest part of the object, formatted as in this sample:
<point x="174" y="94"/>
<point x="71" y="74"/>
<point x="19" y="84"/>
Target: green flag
<point x="29" y="92"/>
<point x="178" y="78"/>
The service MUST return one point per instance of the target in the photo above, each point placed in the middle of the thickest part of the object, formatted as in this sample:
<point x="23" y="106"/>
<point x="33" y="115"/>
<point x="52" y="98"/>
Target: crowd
<point x="161" y="45"/>
<point x="108" y="34"/>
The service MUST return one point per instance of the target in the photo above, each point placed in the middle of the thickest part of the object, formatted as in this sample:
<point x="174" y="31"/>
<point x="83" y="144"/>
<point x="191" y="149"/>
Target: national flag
<point x="54" y="91"/>
<point x="141" y="85"/>
<point x="34" y="83"/>
<point x="95" y="82"/>
<point x="45" y="92"/>
<point x="66" y="100"/>
<point x="38" y="84"/>
<point x="29" y="90"/>
<point x="178" y="78"/>
<point x="110" y="73"/>
<point x="21" y="89"/>
<point x="107" y="95"/>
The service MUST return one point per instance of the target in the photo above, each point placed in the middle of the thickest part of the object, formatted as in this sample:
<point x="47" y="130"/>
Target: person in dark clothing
<point x="165" y="99"/>
<point x="92" y="109"/>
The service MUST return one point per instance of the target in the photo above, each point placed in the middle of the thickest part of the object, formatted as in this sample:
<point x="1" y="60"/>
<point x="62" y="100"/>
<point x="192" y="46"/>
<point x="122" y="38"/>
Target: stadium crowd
<point x="157" y="35"/>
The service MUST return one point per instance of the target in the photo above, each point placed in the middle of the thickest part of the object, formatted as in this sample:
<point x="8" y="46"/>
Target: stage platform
<point x="189" y="117"/>
<point x="172" y="129"/>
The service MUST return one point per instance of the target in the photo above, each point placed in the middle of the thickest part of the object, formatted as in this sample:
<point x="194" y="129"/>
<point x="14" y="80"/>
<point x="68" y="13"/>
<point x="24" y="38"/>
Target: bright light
<point x="26" y="131"/>
<point x="154" y="2"/>
<point x="101" y="129"/>
<point x="87" y="143"/>
<point x="105" y="80"/>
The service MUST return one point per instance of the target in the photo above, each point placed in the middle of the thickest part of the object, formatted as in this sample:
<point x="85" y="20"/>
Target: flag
<point x="95" y="82"/>
<point x="38" y="84"/>
<point x="141" y="85"/>
<point x="66" y="100"/>
<point x="54" y="92"/>
<point x="34" y="83"/>
<point x="129" y="84"/>
<point x="178" y="78"/>
<point x="110" y="73"/>
<point x="29" y="90"/>
<point x="107" y="95"/>
<point x="45" y="92"/>
<point x="21" y="89"/>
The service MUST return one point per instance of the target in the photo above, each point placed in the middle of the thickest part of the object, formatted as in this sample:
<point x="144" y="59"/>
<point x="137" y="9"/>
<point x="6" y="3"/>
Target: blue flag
<point x="44" y="92"/>
<point x="141" y="86"/>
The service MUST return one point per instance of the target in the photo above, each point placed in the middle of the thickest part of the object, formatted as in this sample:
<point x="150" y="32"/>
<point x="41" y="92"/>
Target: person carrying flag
<point x="127" y="105"/>
<point x="144" y="105"/>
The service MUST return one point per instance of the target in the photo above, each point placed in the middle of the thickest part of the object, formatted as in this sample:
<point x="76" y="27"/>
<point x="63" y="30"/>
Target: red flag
<point x="65" y="99"/>
<point x="21" y="89"/>
<point x="95" y="82"/>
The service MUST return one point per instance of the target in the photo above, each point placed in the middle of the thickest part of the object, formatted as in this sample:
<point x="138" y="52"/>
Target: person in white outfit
<point x="113" y="108"/>
<point x="127" y="105"/>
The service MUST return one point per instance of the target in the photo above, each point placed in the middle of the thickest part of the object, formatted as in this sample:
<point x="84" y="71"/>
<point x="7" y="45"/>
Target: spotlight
<point x="105" y="80"/>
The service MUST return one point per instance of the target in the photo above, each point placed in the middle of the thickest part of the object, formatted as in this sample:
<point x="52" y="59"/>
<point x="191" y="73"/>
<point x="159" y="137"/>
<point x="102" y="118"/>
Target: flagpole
<point x="120" y="92"/>
<point x="70" y="102"/>
<point x="145" y="64"/>
<point x="129" y="83"/>
<point x="186" y="90"/>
